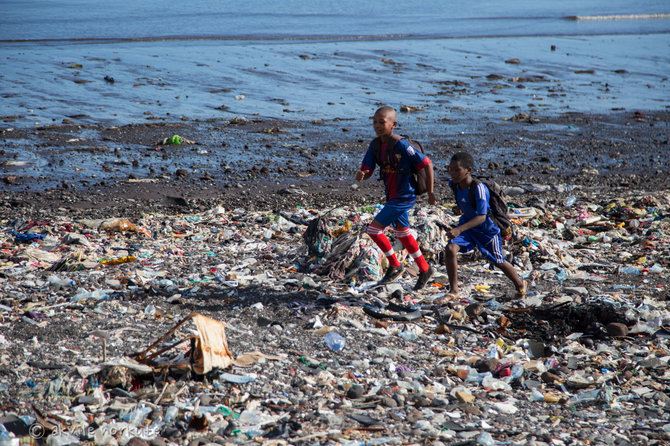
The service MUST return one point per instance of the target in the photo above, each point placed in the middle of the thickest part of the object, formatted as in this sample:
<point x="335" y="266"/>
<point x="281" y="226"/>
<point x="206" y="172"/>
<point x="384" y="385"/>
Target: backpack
<point x="498" y="210"/>
<point x="418" y="179"/>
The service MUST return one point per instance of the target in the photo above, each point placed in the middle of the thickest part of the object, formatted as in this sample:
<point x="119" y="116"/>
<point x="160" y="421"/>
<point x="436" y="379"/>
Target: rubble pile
<point x="238" y="327"/>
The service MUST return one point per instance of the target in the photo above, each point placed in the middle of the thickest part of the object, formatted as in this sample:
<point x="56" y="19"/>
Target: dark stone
<point x="549" y="377"/>
<point x="616" y="329"/>
<point x="387" y="401"/>
<point x="486" y="365"/>
<point x="355" y="392"/>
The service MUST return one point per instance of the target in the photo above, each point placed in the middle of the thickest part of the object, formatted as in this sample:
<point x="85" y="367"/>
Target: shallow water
<point x="213" y="59"/>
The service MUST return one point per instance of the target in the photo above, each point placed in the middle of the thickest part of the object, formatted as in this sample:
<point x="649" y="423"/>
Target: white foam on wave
<point x="619" y="17"/>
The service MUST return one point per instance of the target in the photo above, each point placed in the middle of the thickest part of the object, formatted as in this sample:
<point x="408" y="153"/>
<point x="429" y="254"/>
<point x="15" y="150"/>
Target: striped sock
<point x="377" y="235"/>
<point x="409" y="242"/>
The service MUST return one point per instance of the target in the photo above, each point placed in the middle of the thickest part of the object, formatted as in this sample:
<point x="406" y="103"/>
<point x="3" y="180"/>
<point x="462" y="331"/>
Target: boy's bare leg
<point x="452" y="267"/>
<point x="511" y="274"/>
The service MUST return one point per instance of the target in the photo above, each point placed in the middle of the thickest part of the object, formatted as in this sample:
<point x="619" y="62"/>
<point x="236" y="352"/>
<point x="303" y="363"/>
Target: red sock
<point x="377" y="235"/>
<point x="407" y="239"/>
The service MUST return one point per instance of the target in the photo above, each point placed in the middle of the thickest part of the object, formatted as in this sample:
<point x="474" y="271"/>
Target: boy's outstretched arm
<point x="430" y="176"/>
<point x="455" y="232"/>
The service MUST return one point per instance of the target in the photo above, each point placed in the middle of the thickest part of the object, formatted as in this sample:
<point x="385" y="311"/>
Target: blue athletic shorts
<point x="491" y="249"/>
<point x="395" y="212"/>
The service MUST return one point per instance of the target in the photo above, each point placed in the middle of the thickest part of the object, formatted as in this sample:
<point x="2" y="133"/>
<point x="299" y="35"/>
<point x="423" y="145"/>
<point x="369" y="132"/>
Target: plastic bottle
<point x="153" y="430"/>
<point x="238" y="379"/>
<point x="136" y="417"/>
<point x="570" y="201"/>
<point x="62" y="439"/>
<point x="249" y="417"/>
<point x="477" y="377"/>
<point x="629" y="270"/>
<point x="585" y="397"/>
<point x="82" y="294"/>
<point x="334" y="341"/>
<point x="492" y="383"/>
<point x="561" y="275"/>
<point x="516" y="373"/>
<point x="485" y="439"/>
<point x="57" y="283"/>
<point x="656" y="268"/>
<point x="536" y="395"/>
<point x="4" y="433"/>
<point x="171" y="414"/>
<point x="383" y="440"/>
<point x="408" y="335"/>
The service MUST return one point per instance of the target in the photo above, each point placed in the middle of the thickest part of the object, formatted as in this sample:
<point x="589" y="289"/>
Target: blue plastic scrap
<point x="27" y="237"/>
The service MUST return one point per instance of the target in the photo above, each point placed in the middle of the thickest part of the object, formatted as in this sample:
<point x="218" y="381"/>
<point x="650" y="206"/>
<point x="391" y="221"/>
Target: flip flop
<point x="401" y="317"/>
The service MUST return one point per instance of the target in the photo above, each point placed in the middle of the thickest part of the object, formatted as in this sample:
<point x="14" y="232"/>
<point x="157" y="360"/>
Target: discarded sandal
<point x="382" y="314"/>
<point x="521" y="293"/>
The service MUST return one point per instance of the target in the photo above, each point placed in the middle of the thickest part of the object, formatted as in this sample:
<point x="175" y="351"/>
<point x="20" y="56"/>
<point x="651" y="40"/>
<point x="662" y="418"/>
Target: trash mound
<point x="342" y="251"/>
<point x="236" y="327"/>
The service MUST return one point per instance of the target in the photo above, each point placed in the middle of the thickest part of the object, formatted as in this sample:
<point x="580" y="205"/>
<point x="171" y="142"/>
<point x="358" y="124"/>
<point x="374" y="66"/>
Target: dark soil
<point x="98" y="171"/>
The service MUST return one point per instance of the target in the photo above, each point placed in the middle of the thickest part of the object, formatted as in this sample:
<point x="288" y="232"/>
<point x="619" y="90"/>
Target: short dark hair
<point x="464" y="159"/>
<point x="385" y="108"/>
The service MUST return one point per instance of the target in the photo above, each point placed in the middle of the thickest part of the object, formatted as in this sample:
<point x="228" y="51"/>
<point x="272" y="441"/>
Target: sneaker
<point x="424" y="278"/>
<point x="392" y="273"/>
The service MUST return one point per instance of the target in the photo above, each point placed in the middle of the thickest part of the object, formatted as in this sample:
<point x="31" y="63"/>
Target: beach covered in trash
<point x="232" y="326"/>
<point x="163" y="293"/>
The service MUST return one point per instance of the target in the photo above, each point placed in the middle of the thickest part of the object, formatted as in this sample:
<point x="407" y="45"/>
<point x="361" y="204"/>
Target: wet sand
<point x="97" y="170"/>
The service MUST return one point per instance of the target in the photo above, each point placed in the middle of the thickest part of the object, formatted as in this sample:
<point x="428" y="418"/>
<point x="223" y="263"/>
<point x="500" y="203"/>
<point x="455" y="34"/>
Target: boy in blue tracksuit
<point x="475" y="228"/>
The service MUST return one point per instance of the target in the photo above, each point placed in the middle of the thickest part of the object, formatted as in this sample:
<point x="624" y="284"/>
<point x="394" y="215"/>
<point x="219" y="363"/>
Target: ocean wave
<point x="619" y="17"/>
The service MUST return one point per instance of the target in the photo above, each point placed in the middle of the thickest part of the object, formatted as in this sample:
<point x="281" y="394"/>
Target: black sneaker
<point x="392" y="273"/>
<point x="424" y="278"/>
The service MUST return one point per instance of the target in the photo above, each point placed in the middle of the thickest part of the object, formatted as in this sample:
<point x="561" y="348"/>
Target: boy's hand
<point x="360" y="175"/>
<point x="431" y="198"/>
<point x="452" y="233"/>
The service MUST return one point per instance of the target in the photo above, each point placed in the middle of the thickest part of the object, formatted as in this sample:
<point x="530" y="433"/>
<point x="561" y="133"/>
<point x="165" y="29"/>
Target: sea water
<point x="325" y="60"/>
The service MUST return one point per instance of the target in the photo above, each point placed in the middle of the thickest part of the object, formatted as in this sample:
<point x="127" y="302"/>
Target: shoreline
<point x="90" y="167"/>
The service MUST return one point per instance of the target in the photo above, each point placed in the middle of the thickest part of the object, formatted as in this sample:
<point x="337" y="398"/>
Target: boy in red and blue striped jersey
<point x="400" y="193"/>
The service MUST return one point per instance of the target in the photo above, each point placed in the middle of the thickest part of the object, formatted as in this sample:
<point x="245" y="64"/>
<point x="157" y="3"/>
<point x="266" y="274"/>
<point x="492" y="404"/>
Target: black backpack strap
<point x="473" y="191"/>
<point x="453" y="189"/>
<point x="390" y="152"/>
<point x="377" y="149"/>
